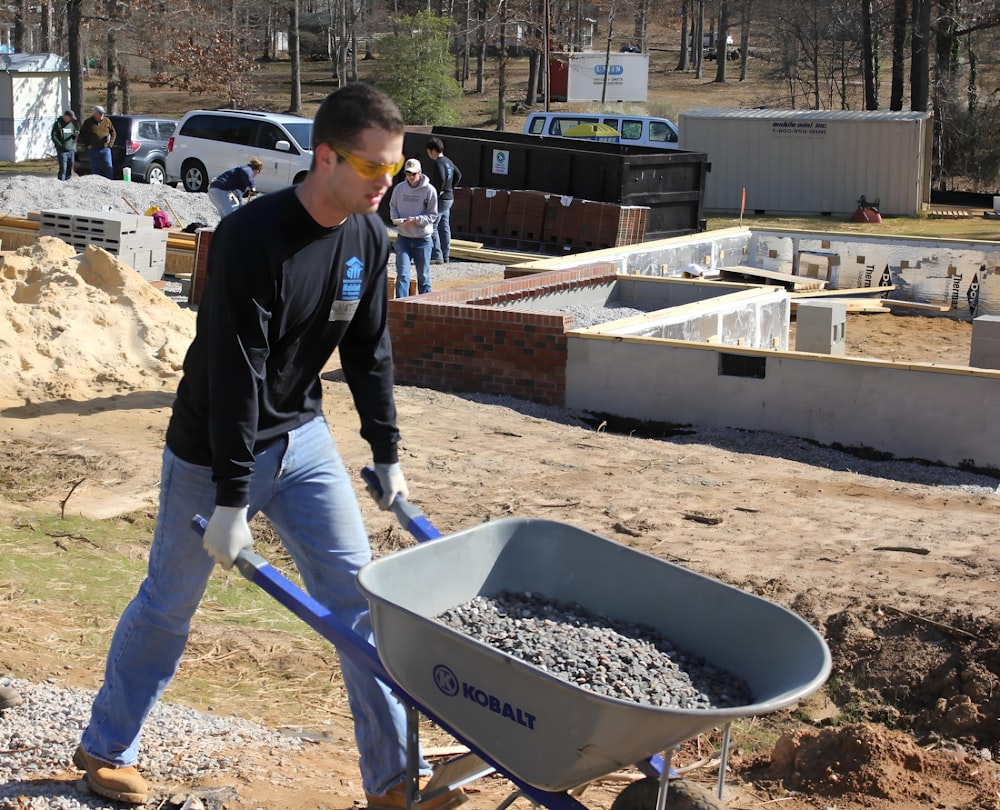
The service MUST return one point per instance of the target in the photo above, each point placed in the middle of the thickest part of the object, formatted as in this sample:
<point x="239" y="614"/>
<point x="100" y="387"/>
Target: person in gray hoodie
<point x="413" y="209"/>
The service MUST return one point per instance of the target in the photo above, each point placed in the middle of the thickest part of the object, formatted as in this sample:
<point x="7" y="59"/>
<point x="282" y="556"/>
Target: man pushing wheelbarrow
<point x="300" y="273"/>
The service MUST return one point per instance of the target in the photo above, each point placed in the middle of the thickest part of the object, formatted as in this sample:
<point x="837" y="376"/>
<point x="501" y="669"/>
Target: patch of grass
<point x="98" y="565"/>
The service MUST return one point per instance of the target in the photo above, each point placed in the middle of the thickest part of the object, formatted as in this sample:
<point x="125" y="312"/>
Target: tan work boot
<point x="120" y="784"/>
<point x="9" y="697"/>
<point x="395" y="799"/>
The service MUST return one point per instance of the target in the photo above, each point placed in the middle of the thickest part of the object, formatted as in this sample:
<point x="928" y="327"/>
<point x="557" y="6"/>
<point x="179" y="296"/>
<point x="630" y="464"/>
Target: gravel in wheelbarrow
<point x="548" y="732"/>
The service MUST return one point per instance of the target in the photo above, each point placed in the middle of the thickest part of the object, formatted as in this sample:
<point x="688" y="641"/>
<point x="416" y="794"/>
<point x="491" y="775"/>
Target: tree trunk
<point x="111" y="104"/>
<point x="48" y="27"/>
<point x="868" y="56"/>
<point x="920" y="56"/>
<point x="534" y="61"/>
<point x="899" y="21"/>
<point x="721" y="44"/>
<point x="607" y="52"/>
<point x="697" y="40"/>
<point x="641" y="37"/>
<point x="502" y="70"/>
<point x="745" y="12"/>
<point x="126" y="89"/>
<point x="682" y="62"/>
<point x="21" y="37"/>
<point x="294" y="54"/>
<point x="74" y="22"/>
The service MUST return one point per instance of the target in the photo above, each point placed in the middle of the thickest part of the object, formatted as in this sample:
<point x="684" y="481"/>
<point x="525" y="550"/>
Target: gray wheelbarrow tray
<point x="550" y="733"/>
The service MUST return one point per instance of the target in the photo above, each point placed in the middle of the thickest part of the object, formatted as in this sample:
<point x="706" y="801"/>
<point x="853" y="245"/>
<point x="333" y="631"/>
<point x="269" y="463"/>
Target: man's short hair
<point x="435" y="143"/>
<point x="255" y="163"/>
<point x="353" y="108"/>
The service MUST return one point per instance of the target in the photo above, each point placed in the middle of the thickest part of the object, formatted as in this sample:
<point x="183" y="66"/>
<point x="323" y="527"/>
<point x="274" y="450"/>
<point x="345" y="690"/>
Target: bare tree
<point x="869" y="57"/>
<point x="74" y="23"/>
<point x="682" y="61"/>
<point x="722" y="43"/>
<point x="920" y="55"/>
<point x="295" y="58"/>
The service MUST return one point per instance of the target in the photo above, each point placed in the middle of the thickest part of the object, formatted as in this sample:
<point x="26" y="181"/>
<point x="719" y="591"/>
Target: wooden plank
<point x="867" y="306"/>
<point x="796" y="282"/>
<point x="889" y="302"/>
<point x="844" y="293"/>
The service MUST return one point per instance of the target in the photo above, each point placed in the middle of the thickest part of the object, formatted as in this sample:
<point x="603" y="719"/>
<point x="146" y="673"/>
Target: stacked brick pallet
<point x="534" y="220"/>
<point x="130" y="237"/>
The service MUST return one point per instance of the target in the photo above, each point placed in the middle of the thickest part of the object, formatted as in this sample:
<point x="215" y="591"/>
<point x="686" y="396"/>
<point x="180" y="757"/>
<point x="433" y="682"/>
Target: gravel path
<point x="179" y="745"/>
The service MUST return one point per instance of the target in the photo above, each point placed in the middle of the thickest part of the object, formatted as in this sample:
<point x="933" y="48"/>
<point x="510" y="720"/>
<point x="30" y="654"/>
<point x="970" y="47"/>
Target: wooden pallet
<point x="956" y="214"/>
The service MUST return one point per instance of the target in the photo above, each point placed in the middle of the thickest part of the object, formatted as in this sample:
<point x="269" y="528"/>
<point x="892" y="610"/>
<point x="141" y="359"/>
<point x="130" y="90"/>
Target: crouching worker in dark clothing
<point x="233" y="187"/>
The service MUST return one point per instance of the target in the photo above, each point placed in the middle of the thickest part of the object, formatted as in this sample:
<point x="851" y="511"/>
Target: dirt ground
<point x="900" y="578"/>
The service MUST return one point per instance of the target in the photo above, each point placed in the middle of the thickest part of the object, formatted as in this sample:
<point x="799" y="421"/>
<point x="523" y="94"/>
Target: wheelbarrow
<point x="546" y="735"/>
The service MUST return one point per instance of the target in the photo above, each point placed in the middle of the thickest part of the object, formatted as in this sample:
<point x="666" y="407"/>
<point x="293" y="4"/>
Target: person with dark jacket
<point x="98" y="135"/>
<point x="444" y="178"/>
<point x="64" y="134"/>
<point x="233" y="187"/>
<point x="299" y="274"/>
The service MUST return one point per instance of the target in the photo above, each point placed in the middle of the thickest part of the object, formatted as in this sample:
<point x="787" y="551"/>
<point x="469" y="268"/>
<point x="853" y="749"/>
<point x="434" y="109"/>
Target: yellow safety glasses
<point x="368" y="169"/>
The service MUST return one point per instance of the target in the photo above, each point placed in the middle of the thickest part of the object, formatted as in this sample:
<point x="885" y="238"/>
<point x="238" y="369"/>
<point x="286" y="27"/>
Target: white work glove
<point x="390" y="478"/>
<point x="227" y="534"/>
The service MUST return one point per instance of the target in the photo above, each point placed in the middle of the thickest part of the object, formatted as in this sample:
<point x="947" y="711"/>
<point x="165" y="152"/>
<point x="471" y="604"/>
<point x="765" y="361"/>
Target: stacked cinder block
<point x="130" y="237"/>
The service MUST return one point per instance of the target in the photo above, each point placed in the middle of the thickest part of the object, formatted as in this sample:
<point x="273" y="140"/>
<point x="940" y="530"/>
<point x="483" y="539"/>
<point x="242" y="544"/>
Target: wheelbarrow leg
<point x="412" y="756"/>
<point x="724" y="759"/>
<point x="661" y="797"/>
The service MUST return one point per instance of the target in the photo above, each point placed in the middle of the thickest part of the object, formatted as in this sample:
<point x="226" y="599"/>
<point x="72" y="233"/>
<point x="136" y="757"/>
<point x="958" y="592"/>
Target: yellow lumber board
<point x="797" y="282"/>
<point x="853" y="305"/>
<point x="847" y="291"/>
<point x="889" y="302"/>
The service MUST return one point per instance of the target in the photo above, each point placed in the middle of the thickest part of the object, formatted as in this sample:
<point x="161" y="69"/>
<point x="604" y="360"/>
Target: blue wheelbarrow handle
<point x="363" y="653"/>
<point x="260" y="572"/>
<point x="410" y="518"/>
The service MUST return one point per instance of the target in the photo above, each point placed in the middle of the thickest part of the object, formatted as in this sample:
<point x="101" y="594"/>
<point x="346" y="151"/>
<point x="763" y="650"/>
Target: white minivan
<point x="208" y="142"/>
<point x="634" y="130"/>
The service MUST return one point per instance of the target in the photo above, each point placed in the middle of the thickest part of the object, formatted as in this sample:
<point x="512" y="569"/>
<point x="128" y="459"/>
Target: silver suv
<point x="140" y="145"/>
<point x="208" y="142"/>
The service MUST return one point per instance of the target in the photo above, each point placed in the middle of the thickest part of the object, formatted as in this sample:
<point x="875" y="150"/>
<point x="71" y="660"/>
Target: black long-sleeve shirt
<point x="445" y="177"/>
<point x="281" y="293"/>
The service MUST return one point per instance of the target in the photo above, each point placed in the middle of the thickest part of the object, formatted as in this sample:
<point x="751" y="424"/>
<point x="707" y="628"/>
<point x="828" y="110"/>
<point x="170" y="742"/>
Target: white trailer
<point x="812" y="161"/>
<point x="34" y="90"/>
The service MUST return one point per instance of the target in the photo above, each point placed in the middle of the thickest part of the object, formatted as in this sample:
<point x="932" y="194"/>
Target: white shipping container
<point x="812" y="161"/>
<point x="34" y="90"/>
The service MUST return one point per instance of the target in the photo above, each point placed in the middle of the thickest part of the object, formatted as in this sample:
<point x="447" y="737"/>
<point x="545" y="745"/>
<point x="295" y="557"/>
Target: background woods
<point x="937" y="55"/>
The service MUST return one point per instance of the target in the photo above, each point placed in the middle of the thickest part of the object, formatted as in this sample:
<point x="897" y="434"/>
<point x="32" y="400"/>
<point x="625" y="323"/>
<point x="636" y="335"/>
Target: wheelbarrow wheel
<point x="682" y="795"/>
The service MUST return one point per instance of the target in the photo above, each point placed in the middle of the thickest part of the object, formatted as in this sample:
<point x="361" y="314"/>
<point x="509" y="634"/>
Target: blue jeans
<point x="65" y="165"/>
<point x="301" y="485"/>
<point x="419" y="251"/>
<point x="100" y="162"/>
<point x="225" y="202"/>
<point x="442" y="231"/>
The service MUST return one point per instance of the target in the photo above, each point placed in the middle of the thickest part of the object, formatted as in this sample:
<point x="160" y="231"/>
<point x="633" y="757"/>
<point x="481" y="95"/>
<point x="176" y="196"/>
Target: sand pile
<point x="79" y="326"/>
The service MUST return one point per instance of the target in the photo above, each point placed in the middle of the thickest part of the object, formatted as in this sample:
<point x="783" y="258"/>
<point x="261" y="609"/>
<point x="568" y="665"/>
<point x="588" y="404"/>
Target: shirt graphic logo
<point x="346" y="304"/>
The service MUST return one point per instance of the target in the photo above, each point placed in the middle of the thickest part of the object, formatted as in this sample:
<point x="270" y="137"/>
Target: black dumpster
<point x="670" y="183"/>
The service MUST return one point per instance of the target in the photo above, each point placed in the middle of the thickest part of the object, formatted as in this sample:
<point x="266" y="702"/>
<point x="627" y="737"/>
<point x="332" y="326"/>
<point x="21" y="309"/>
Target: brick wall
<point x="476" y="338"/>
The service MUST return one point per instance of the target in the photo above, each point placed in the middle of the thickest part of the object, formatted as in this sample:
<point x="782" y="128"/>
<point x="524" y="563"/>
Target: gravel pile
<point x="616" y="659"/>
<point x="23" y="193"/>
<point x="179" y="745"/>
